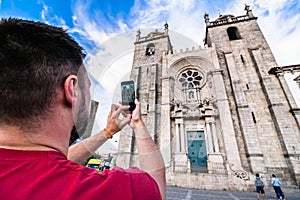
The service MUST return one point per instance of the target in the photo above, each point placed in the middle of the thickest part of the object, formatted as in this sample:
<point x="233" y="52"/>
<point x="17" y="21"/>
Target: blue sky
<point x="107" y="28"/>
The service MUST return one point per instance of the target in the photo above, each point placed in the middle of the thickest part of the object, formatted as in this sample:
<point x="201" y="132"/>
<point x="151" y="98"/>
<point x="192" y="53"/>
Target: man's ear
<point x="71" y="89"/>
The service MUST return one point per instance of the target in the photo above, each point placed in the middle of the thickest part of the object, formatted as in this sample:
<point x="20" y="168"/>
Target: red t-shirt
<point x="49" y="175"/>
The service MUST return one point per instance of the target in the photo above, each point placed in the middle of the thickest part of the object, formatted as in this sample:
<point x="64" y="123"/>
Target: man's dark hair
<point x="257" y="175"/>
<point x="35" y="60"/>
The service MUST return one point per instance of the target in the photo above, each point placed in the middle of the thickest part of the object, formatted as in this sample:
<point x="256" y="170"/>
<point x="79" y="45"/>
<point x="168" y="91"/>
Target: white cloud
<point x="123" y="26"/>
<point x="88" y="26"/>
<point x="44" y="12"/>
<point x="48" y="18"/>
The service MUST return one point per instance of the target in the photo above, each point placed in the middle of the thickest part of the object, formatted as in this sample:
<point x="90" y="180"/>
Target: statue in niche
<point x="191" y="95"/>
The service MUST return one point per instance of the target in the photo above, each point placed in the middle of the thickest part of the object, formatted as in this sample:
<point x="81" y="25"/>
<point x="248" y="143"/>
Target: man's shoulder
<point x="142" y="185"/>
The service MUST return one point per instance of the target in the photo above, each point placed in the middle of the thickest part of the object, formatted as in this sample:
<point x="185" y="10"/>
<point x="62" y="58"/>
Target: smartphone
<point x="128" y="94"/>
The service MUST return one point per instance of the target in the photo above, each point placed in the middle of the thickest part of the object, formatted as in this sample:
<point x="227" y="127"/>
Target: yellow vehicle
<point x="94" y="164"/>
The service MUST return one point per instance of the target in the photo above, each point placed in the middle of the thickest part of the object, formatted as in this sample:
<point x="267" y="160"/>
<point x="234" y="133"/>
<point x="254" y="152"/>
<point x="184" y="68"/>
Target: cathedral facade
<point x="220" y="114"/>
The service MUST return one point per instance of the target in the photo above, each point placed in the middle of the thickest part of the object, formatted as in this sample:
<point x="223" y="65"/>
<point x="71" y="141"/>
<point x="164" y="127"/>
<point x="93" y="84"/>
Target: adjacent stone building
<point x="219" y="114"/>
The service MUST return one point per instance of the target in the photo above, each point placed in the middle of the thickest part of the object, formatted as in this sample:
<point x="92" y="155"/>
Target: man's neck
<point x="12" y="137"/>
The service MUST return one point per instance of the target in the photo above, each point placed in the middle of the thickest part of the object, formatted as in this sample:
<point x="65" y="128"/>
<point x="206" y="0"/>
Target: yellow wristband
<point x="107" y="133"/>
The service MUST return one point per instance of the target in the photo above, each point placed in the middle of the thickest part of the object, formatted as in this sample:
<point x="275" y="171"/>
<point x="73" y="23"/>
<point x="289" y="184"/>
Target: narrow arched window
<point x="233" y="33"/>
<point x="150" y="49"/>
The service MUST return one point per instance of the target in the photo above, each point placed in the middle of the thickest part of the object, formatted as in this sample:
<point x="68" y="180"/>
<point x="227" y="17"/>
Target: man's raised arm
<point x="81" y="151"/>
<point x="151" y="160"/>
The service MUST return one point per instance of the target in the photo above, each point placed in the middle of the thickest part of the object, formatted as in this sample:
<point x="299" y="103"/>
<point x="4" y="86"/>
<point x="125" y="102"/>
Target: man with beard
<point x="44" y="92"/>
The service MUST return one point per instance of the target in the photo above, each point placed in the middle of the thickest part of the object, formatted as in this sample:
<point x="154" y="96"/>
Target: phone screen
<point x="128" y="94"/>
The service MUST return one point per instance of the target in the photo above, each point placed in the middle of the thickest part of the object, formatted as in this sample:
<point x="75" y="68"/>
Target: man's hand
<point x="114" y="123"/>
<point x="136" y="118"/>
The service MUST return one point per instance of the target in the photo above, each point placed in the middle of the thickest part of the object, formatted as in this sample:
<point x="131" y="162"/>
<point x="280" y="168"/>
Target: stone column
<point x="215" y="137"/>
<point x="180" y="156"/>
<point x="209" y="138"/>
<point x="177" y="137"/>
<point x="182" y="138"/>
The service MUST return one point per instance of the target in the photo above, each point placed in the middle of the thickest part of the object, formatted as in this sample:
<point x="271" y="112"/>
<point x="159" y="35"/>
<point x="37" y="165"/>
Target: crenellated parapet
<point x="188" y="50"/>
<point x="193" y="49"/>
<point x="228" y="19"/>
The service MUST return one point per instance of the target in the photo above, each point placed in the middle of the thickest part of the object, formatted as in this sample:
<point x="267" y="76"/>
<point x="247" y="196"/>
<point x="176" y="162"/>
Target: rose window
<point x="190" y="79"/>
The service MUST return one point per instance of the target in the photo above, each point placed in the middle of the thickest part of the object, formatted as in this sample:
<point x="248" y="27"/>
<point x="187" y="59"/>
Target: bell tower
<point x="266" y="130"/>
<point x="146" y="72"/>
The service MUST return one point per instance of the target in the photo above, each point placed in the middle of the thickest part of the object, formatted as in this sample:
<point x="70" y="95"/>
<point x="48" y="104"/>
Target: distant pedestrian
<point x="276" y="185"/>
<point x="259" y="184"/>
